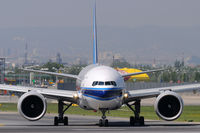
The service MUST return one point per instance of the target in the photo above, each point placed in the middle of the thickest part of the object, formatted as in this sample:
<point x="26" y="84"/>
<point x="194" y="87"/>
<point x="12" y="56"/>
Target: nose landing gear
<point x="103" y="122"/>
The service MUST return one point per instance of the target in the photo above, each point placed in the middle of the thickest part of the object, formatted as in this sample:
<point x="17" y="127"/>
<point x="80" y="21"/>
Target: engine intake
<point x="169" y="105"/>
<point x="32" y="106"/>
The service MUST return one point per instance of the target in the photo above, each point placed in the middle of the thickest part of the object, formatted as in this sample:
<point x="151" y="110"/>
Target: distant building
<point x="2" y="70"/>
<point x="26" y="55"/>
<point x="58" y="58"/>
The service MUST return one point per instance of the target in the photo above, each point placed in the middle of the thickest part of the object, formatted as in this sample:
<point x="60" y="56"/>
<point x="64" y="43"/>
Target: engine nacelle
<point x="32" y="106"/>
<point x="168" y="105"/>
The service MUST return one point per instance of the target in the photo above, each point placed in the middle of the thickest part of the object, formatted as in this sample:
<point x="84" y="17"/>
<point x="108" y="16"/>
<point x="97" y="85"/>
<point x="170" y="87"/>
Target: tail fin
<point x="95" y="51"/>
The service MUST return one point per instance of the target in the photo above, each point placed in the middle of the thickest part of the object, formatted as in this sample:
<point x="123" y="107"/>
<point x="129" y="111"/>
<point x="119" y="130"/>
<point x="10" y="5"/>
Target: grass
<point x="190" y="113"/>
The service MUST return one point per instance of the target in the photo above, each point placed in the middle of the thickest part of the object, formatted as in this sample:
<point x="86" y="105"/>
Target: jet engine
<point x="32" y="105"/>
<point x="168" y="105"/>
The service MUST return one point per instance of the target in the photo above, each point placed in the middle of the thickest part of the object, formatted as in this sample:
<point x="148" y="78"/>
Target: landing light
<point x="126" y="95"/>
<point x="75" y="96"/>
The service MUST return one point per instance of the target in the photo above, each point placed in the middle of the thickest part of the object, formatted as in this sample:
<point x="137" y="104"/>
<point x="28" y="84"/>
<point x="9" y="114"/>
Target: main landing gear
<point x="61" y="111"/>
<point x="137" y="120"/>
<point x="103" y="122"/>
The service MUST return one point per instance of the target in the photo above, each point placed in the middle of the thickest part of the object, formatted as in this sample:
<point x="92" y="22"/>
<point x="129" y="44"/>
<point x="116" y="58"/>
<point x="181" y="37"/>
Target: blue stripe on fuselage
<point x="102" y="99"/>
<point x="102" y="93"/>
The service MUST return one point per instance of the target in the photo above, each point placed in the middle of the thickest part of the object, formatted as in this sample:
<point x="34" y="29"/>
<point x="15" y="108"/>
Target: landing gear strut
<point x="103" y="122"/>
<point x="61" y="111"/>
<point x="137" y="120"/>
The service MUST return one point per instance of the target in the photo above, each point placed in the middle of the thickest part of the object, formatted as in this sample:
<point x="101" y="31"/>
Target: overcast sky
<point x="78" y="13"/>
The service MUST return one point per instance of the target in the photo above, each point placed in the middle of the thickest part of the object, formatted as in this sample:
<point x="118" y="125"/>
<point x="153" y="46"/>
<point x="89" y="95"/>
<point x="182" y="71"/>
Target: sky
<point x="136" y="29"/>
<point x="78" y="13"/>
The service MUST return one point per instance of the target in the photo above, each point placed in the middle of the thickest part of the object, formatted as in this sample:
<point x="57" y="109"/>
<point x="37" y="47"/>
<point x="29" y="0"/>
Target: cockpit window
<point x="94" y="83"/>
<point x="101" y="83"/>
<point x="113" y="83"/>
<point x="108" y="83"/>
<point x="104" y="83"/>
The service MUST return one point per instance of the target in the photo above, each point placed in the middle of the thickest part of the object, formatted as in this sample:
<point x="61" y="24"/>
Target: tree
<point x="166" y="77"/>
<point x="120" y="63"/>
<point x="52" y="66"/>
<point x="197" y="76"/>
<point x="75" y="69"/>
<point x="178" y="64"/>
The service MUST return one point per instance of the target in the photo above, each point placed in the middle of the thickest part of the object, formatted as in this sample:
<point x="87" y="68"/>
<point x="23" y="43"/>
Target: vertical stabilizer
<point x="95" y="52"/>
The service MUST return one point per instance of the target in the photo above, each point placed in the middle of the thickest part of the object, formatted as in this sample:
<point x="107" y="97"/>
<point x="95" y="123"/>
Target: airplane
<point x="100" y="88"/>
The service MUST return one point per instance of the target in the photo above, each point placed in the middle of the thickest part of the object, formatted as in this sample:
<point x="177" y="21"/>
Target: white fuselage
<point x="100" y="87"/>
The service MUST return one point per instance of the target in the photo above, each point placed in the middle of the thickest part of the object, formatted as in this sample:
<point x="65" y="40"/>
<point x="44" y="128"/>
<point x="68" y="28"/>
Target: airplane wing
<point x="154" y="92"/>
<point x="53" y="73"/>
<point x="138" y="73"/>
<point x="48" y="93"/>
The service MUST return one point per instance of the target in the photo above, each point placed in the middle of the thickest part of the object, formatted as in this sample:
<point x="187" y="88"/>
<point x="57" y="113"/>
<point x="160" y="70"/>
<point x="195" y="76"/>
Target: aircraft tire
<point x="105" y="123"/>
<point x="65" y="121"/>
<point x="56" y="121"/>
<point x="100" y="122"/>
<point x="141" y="121"/>
<point x="132" y="121"/>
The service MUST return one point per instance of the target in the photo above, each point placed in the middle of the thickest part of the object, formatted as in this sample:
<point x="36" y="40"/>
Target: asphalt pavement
<point x="13" y="122"/>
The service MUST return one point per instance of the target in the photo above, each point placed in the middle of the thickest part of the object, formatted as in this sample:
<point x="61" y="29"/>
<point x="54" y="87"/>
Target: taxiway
<point x="13" y="122"/>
